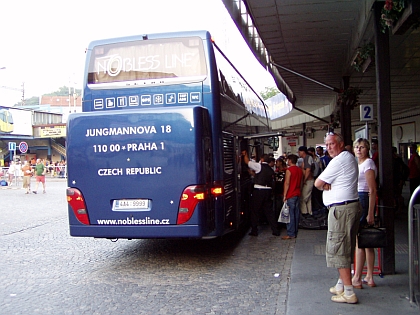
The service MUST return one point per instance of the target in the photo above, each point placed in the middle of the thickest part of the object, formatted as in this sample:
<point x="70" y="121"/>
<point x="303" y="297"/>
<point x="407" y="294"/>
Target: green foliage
<point x="269" y="92"/>
<point x="363" y="54"/>
<point x="63" y="91"/>
<point x="34" y="100"/>
<point x="391" y="12"/>
<point x="349" y="97"/>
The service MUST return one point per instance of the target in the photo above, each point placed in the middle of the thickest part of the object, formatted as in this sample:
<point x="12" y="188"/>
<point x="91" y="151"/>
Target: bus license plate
<point x="130" y="204"/>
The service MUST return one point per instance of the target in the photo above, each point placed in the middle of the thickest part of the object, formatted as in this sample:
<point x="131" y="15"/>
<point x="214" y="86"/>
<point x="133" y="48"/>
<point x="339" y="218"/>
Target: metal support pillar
<point x="383" y="90"/>
<point x="345" y="116"/>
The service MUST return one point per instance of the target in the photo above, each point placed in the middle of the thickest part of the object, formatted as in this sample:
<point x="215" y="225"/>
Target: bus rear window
<point x="172" y="59"/>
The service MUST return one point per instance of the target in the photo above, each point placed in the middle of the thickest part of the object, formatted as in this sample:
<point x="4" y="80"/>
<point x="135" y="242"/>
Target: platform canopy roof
<point x="319" y="39"/>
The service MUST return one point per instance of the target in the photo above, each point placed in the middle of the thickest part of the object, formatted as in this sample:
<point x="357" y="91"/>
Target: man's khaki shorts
<point x="26" y="181"/>
<point x="343" y="224"/>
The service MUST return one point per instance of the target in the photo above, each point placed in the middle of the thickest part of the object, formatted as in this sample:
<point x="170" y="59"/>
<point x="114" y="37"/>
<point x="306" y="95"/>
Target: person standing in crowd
<point x="339" y="184"/>
<point x="325" y="159"/>
<point x="308" y="182"/>
<point x="400" y="173"/>
<point x="316" y="194"/>
<point x="272" y="163"/>
<point x="375" y="157"/>
<point x="375" y="153"/>
<point x="367" y="199"/>
<point x="27" y="174"/>
<point x="18" y="171"/>
<point x="328" y="158"/>
<point x="40" y="175"/>
<point x="299" y="162"/>
<point x="317" y="166"/>
<point x="292" y="184"/>
<point x="11" y="172"/>
<point x="414" y="166"/>
<point x="349" y="148"/>
<point x="279" y="174"/>
<point x="262" y="193"/>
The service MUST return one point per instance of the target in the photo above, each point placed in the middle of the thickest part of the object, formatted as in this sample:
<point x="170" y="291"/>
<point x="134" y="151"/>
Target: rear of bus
<point x="140" y="158"/>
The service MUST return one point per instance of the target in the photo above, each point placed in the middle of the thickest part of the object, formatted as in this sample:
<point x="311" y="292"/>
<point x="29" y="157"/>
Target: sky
<point x="43" y="42"/>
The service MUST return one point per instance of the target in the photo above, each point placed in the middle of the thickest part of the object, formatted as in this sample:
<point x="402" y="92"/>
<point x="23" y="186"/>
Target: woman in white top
<point x="367" y="198"/>
<point x="11" y="172"/>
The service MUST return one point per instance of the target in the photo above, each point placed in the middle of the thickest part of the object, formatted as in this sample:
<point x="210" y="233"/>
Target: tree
<point x="269" y="92"/>
<point x="62" y="91"/>
<point x="34" y="100"/>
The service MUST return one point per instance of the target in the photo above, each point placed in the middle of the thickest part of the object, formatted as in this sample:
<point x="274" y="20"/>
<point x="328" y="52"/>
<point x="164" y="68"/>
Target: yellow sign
<point x="53" y="132"/>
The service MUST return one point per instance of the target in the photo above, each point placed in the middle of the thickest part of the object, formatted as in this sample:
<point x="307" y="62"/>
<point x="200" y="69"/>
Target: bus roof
<point x="200" y="33"/>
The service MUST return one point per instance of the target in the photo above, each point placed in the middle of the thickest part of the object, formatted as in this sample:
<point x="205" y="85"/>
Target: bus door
<point x="245" y="183"/>
<point x="232" y="218"/>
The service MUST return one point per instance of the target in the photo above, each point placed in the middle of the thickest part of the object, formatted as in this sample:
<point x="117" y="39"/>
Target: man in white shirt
<point x="339" y="183"/>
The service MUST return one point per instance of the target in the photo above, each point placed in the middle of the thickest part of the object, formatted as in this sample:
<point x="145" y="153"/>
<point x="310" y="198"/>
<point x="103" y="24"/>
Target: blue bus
<point x="155" y="152"/>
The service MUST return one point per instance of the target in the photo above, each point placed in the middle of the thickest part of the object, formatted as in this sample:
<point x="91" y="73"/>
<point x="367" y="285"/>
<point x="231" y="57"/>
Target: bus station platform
<point x="310" y="279"/>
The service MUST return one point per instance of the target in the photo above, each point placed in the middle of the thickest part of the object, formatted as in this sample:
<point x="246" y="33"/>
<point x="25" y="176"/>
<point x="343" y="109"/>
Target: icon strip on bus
<point x="146" y="100"/>
<point x="110" y="102"/>
<point x="170" y="98"/>
<point x="158" y="99"/>
<point x="195" y="97"/>
<point x="133" y="100"/>
<point x="122" y="101"/>
<point x="182" y="97"/>
<point x="98" y="104"/>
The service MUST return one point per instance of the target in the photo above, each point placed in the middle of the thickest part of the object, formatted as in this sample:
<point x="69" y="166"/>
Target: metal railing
<point x="58" y="147"/>
<point x="413" y="246"/>
<point x="17" y="175"/>
<point x="53" y="171"/>
<point x="57" y="171"/>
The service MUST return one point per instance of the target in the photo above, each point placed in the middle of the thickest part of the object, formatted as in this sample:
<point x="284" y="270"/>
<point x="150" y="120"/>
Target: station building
<point x="36" y="131"/>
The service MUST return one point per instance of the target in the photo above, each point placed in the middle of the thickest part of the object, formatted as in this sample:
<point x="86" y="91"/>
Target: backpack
<point x="319" y="222"/>
<point x="3" y="183"/>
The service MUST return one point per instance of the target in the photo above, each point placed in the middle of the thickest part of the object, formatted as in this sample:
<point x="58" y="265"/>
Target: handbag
<point x="371" y="237"/>
<point x="284" y="216"/>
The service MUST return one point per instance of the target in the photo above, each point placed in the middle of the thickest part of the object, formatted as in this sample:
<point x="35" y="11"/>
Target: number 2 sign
<point x="366" y="112"/>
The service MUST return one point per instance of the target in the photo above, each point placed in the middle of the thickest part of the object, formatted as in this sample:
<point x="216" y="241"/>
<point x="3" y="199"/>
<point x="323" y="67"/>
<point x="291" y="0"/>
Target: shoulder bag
<point x="371" y="237"/>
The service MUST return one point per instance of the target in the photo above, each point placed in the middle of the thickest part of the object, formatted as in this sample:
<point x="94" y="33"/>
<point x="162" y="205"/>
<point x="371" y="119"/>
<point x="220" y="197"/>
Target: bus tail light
<point x="77" y="203"/>
<point x="191" y="196"/>
<point x="217" y="189"/>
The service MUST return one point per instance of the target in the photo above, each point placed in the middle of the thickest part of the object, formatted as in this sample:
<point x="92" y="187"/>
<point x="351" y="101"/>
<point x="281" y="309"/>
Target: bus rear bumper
<point x="136" y="232"/>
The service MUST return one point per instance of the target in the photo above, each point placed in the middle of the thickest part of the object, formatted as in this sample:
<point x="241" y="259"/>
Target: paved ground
<point x="311" y="279"/>
<point x="45" y="271"/>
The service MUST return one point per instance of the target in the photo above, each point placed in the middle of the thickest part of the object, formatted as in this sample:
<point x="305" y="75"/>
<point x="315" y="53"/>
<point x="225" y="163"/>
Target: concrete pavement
<point x="310" y="279"/>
